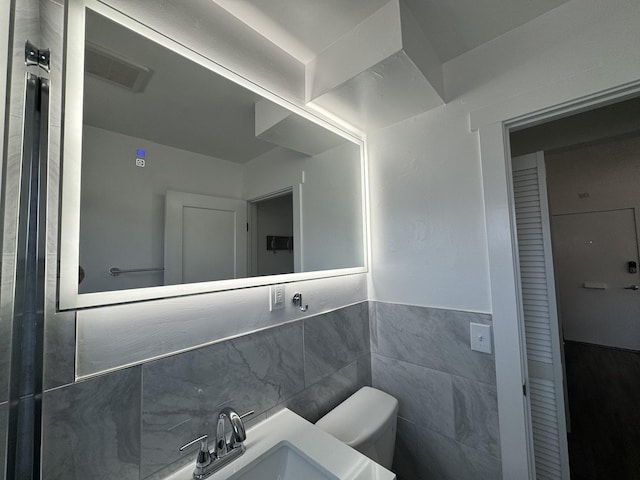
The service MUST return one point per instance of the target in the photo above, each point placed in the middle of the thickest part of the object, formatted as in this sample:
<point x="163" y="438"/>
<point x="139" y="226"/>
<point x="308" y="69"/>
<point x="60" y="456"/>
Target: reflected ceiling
<point x="221" y="124"/>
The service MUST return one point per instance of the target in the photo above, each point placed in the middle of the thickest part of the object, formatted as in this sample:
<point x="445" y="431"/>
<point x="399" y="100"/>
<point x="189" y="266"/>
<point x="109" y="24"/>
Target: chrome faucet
<point x="238" y="434"/>
<point x="224" y="451"/>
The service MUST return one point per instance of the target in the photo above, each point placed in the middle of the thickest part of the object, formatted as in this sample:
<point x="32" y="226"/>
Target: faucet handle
<point x="220" y="448"/>
<point x="204" y="456"/>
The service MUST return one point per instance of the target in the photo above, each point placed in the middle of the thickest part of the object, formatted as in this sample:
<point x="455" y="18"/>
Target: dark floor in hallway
<point x="604" y="402"/>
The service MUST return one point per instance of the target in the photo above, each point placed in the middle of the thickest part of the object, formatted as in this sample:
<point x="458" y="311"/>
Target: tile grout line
<point x="431" y="369"/>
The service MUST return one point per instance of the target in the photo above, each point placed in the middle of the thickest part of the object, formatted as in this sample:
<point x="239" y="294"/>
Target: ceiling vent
<point x="115" y="69"/>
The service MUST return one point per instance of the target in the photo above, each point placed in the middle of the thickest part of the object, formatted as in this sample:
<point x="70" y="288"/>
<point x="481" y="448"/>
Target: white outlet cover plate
<point x="276" y="297"/>
<point x="481" y="338"/>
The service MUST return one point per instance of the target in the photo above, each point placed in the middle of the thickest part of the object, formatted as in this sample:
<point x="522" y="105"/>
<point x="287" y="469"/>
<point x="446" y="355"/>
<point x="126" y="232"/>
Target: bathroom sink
<point x="283" y="462"/>
<point x="287" y="447"/>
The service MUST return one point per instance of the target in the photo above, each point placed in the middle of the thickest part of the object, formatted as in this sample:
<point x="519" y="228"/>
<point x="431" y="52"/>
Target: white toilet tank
<point x="367" y="422"/>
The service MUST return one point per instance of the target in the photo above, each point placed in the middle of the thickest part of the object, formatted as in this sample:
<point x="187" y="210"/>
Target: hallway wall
<point x="591" y="186"/>
<point x="608" y="171"/>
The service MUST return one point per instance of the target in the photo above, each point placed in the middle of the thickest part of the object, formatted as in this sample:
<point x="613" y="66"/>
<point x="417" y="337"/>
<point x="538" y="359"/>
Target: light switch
<point x="481" y="337"/>
<point x="276" y="297"/>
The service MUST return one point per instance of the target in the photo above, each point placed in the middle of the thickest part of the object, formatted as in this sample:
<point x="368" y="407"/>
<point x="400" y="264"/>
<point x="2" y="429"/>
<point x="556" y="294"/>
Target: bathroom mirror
<point x="180" y="177"/>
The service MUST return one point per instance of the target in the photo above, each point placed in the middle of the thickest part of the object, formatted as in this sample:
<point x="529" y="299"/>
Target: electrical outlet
<point x="276" y="297"/>
<point x="139" y="162"/>
<point x="481" y="337"/>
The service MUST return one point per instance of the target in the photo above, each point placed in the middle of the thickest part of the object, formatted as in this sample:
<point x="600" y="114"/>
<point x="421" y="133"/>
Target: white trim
<point x="494" y="125"/>
<point x="515" y="434"/>
<point x="528" y="109"/>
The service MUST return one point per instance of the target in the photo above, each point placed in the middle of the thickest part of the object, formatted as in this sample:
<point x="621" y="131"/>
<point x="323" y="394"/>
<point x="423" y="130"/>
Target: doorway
<point x="592" y="163"/>
<point x="271" y="232"/>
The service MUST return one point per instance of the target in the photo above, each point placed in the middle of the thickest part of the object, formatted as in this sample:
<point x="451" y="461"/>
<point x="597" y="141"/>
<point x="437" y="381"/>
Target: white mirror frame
<point x="69" y="296"/>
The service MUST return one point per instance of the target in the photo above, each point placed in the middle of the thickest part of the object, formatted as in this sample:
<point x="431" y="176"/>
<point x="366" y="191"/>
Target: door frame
<point x="494" y="125"/>
<point x="253" y="241"/>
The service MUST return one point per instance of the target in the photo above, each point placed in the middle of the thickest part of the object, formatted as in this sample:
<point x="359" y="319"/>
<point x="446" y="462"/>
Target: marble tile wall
<point x="25" y="26"/>
<point x="130" y="423"/>
<point x="448" y="414"/>
<point x="346" y="330"/>
<point x="3" y="436"/>
<point x="91" y="429"/>
<point x="41" y="22"/>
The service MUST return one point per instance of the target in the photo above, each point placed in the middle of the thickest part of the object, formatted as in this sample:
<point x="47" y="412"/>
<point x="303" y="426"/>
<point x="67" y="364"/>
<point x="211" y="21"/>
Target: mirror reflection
<point x="188" y="177"/>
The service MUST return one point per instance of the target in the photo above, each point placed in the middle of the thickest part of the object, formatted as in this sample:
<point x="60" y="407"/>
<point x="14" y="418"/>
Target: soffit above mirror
<point x="375" y="63"/>
<point x="304" y="28"/>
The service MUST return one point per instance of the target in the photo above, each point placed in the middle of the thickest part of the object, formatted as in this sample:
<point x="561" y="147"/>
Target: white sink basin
<point x="283" y="462"/>
<point x="287" y="447"/>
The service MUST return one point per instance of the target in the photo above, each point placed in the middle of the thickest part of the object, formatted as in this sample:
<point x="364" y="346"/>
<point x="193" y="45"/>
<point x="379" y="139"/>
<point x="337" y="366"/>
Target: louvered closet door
<point x="545" y="384"/>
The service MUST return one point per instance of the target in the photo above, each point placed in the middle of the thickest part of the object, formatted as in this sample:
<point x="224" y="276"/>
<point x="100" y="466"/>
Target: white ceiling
<point x="304" y="28"/>
<point x="457" y="26"/>
<point x="301" y="28"/>
<point x="209" y="115"/>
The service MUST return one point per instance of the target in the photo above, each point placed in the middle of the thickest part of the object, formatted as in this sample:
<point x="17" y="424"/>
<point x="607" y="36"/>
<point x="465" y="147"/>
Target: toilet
<point x="367" y="422"/>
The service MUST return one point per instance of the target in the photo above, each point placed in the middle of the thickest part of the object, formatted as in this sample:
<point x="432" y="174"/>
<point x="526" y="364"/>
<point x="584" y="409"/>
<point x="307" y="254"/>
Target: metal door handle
<point x="632" y="287"/>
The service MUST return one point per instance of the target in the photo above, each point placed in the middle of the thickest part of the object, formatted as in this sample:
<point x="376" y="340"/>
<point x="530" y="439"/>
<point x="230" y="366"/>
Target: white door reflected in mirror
<point x="205" y="238"/>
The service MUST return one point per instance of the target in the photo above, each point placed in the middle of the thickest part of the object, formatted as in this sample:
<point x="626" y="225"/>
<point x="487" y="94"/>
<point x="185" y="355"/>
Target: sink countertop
<point x="285" y="426"/>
